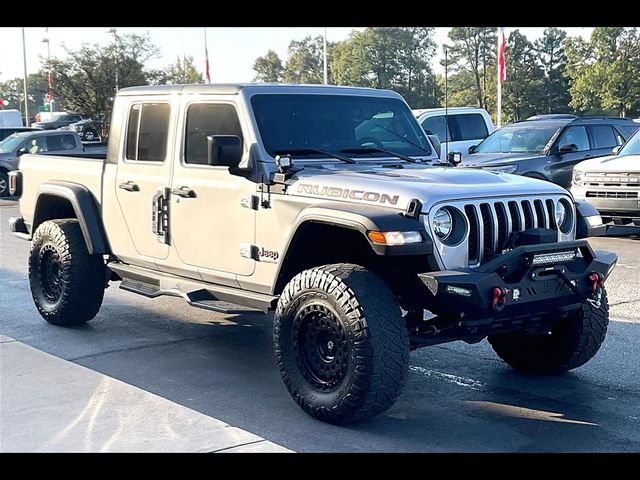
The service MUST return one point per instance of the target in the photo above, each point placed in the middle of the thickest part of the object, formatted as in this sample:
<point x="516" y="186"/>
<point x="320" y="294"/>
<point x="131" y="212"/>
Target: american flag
<point x="502" y="71"/>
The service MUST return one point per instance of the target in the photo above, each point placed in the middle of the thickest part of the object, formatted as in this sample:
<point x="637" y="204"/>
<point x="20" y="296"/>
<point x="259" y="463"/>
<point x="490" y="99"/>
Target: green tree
<point x="183" y="71"/>
<point x="552" y="59"/>
<point x="305" y="61"/>
<point x="396" y="58"/>
<point x="268" y="68"/>
<point x="37" y="84"/>
<point x="86" y="79"/>
<point x="523" y="90"/>
<point x="604" y="72"/>
<point x="473" y="51"/>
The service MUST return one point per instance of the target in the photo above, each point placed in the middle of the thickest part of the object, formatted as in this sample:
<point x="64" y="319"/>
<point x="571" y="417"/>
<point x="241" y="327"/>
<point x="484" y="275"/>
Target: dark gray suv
<point x="549" y="147"/>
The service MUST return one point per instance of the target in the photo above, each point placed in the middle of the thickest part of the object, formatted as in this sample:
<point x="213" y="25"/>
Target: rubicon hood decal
<point x="354" y="194"/>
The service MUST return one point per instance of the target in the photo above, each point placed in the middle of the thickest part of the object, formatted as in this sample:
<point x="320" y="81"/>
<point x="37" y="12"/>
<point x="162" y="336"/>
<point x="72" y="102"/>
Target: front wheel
<point x="4" y="184"/>
<point x="67" y="283"/>
<point x="570" y="343"/>
<point x="341" y="343"/>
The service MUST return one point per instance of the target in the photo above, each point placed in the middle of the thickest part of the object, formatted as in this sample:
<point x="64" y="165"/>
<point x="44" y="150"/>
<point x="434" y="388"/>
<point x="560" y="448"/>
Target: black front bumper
<point x="525" y="288"/>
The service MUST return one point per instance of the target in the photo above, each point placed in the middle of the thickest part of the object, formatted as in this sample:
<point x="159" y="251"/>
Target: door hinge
<point x="160" y="215"/>
<point x="248" y="250"/>
<point x="249" y="201"/>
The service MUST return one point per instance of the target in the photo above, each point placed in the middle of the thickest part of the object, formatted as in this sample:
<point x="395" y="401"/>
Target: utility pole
<point x="50" y="93"/>
<point x="114" y="32"/>
<point x="326" y="69"/>
<point x="26" y="91"/>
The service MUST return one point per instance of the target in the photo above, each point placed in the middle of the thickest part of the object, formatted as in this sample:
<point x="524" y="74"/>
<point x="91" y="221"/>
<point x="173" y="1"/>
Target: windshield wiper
<point x="306" y="150"/>
<point x="377" y="149"/>
<point x="406" y="140"/>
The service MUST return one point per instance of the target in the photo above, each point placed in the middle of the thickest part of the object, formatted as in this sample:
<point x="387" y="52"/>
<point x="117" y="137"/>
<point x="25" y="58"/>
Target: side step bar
<point x="217" y="298"/>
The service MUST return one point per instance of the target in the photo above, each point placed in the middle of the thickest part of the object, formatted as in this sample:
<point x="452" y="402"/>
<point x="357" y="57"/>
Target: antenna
<point x="446" y="105"/>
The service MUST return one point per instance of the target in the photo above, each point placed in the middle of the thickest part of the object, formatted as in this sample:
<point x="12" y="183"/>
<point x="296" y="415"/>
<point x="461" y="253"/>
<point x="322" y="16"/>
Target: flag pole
<point x="206" y="58"/>
<point x="499" y="78"/>
<point x="326" y="71"/>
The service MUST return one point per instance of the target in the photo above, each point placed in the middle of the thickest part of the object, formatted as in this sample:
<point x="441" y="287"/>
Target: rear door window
<point x="468" y="126"/>
<point x="602" y="136"/>
<point x="60" y="142"/>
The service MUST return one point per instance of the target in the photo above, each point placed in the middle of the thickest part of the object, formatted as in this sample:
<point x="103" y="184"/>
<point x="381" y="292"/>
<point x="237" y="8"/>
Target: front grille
<point x="612" y="194"/>
<point x="611" y="179"/>
<point x="492" y="223"/>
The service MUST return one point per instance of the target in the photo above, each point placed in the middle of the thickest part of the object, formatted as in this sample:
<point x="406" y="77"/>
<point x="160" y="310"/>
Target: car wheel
<point x="89" y="135"/>
<point x="4" y="184"/>
<point x="67" y="283"/>
<point x="569" y="343"/>
<point x="341" y="343"/>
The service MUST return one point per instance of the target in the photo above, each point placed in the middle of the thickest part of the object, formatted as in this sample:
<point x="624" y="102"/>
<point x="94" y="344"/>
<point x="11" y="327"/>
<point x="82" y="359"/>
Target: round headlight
<point x="442" y="224"/>
<point x="577" y="176"/>
<point x="561" y="214"/>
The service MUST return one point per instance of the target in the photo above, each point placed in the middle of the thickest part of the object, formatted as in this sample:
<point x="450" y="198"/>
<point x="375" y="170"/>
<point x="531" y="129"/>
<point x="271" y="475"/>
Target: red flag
<point x="206" y="64"/>
<point x="502" y="72"/>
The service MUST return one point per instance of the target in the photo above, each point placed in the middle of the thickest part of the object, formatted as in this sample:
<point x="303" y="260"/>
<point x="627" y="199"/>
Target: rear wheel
<point x="67" y="284"/>
<point x="570" y="343"/>
<point x="341" y="343"/>
<point x="89" y="135"/>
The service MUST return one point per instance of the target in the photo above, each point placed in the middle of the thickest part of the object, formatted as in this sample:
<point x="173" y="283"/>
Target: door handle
<point x="184" y="192"/>
<point x="129" y="186"/>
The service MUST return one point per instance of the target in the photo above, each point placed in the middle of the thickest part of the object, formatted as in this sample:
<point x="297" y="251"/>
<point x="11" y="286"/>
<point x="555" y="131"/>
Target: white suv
<point x="467" y="126"/>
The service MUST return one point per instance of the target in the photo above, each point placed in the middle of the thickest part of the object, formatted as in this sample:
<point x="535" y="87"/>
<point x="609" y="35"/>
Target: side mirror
<point x="616" y="149"/>
<point x="568" y="148"/>
<point x="454" y="158"/>
<point x="224" y="150"/>
<point x="22" y="151"/>
<point x="472" y="148"/>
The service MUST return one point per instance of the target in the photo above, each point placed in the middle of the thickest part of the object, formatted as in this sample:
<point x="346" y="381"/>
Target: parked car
<point x="38" y="141"/>
<point x="7" y="131"/>
<point x="466" y="126"/>
<point x="85" y="128"/>
<point x="548" y="149"/>
<point x="11" y="118"/>
<point x="58" y="121"/>
<point x="612" y="184"/>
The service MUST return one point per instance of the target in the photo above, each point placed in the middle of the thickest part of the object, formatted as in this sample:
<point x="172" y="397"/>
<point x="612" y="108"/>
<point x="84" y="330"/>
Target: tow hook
<point x="499" y="298"/>
<point x="597" y="283"/>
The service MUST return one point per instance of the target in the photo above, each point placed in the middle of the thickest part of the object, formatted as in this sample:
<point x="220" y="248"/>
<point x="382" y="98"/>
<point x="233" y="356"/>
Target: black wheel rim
<point x="50" y="273"/>
<point x="320" y="346"/>
<point x="3" y="186"/>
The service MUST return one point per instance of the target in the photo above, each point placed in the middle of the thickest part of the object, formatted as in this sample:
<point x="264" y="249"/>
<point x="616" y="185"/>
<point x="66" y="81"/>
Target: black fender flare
<point x="364" y="218"/>
<point x="85" y="207"/>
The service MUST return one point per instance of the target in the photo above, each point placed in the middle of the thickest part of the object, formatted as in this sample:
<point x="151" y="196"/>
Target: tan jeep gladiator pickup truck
<point x="327" y="206"/>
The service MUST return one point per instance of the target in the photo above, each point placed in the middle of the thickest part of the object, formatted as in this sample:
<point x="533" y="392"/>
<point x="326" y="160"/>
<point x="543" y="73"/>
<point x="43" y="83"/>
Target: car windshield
<point x="11" y="143"/>
<point x="632" y="147"/>
<point x="337" y="122"/>
<point x="517" y="139"/>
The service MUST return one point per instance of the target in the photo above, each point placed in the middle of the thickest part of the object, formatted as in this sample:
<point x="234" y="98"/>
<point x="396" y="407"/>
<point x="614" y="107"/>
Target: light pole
<point x="49" y="93"/>
<point x="114" y="32"/>
<point x="26" y="91"/>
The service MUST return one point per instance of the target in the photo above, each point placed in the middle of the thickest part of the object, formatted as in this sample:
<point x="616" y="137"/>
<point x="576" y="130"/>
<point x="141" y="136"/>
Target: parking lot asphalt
<point x="458" y="398"/>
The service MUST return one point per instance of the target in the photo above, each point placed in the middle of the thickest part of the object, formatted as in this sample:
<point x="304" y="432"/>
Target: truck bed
<point x="36" y="170"/>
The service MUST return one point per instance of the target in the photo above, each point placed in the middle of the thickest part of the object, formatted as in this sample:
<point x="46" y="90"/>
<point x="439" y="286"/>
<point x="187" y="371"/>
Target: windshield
<point x="632" y="147"/>
<point x="337" y="122"/>
<point x="11" y="143"/>
<point x="517" y="139"/>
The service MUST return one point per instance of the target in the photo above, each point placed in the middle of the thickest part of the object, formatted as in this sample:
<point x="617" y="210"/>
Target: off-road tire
<point x="67" y="284"/>
<point x="571" y="342"/>
<point x="4" y="184"/>
<point x="352" y="307"/>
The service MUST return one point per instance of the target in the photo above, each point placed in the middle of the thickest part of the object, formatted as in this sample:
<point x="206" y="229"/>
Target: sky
<point x="232" y="50"/>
